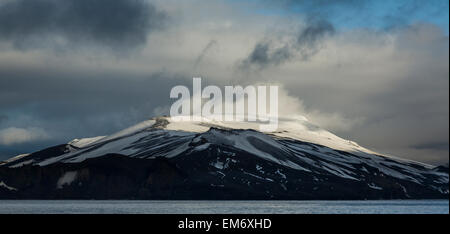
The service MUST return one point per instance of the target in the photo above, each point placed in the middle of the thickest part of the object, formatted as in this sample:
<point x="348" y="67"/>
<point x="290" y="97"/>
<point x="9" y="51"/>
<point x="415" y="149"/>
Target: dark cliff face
<point x="216" y="172"/>
<point x="442" y="168"/>
<point x="108" y="177"/>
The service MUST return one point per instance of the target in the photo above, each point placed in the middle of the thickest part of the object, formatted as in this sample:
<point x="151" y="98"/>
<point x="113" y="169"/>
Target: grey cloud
<point x="398" y="88"/>
<point x="55" y="94"/>
<point x="3" y="118"/>
<point x="260" y="54"/>
<point x="314" y="32"/>
<point x="69" y="105"/>
<point x="303" y="46"/>
<point x="263" y="57"/>
<point x="432" y="146"/>
<point x="13" y="135"/>
<point x="120" y="23"/>
<point x="309" y="38"/>
<point x="321" y="16"/>
<point x="204" y="51"/>
<point x="404" y="102"/>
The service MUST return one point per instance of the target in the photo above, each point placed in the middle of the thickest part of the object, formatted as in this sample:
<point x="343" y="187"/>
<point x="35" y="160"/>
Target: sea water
<point x="223" y="207"/>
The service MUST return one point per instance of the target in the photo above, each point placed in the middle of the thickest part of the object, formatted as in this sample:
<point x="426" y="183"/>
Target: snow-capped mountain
<point x="161" y="159"/>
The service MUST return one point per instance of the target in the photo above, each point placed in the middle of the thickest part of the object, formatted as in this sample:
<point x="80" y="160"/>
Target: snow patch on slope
<point x="66" y="179"/>
<point x="15" y="158"/>
<point x="83" y="142"/>
<point x="2" y="184"/>
<point x="296" y="127"/>
<point x="245" y="141"/>
<point x="296" y="144"/>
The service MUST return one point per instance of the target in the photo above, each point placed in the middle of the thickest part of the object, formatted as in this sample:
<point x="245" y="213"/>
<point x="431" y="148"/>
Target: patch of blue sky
<point x="375" y="14"/>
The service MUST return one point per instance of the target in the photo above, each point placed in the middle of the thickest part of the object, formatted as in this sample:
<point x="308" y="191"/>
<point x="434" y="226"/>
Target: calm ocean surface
<point x="226" y="207"/>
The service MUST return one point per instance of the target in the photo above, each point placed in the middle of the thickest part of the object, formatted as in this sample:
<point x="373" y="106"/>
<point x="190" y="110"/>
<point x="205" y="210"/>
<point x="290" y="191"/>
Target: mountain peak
<point x="298" y="161"/>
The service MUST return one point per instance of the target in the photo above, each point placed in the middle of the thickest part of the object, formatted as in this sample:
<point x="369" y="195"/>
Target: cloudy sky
<point x="376" y="72"/>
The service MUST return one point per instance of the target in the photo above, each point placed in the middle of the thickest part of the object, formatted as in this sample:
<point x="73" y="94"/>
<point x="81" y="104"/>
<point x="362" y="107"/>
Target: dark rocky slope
<point x="156" y="163"/>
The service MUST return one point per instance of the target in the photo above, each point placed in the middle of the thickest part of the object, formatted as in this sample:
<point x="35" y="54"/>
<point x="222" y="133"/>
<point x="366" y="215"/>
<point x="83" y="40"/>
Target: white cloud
<point x="13" y="135"/>
<point x="291" y="105"/>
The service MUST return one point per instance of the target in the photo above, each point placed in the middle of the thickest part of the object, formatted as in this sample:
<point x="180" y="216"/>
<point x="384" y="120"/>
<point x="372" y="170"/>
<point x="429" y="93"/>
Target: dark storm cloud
<point x="307" y="42"/>
<point x="309" y="38"/>
<point x="315" y="31"/>
<point x="262" y="56"/>
<point x="3" y="118"/>
<point x="48" y="95"/>
<point x="118" y="23"/>
<point x="82" y="104"/>
<point x="303" y="46"/>
<point x="432" y="146"/>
